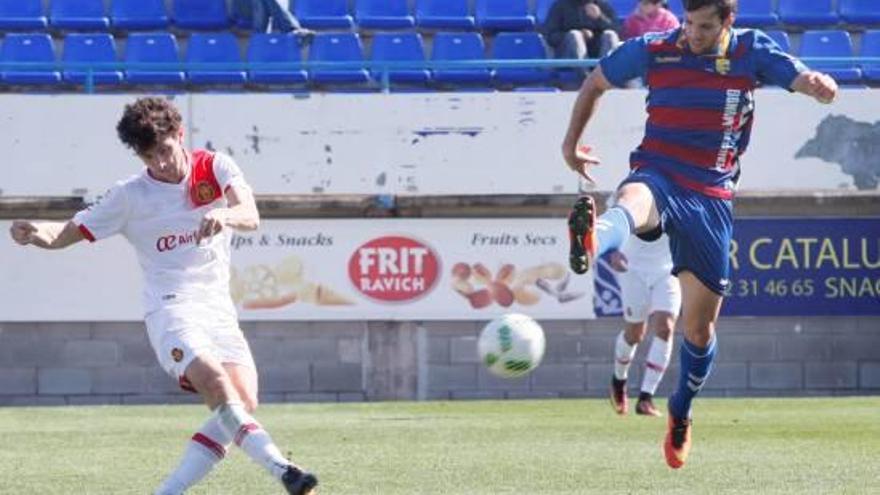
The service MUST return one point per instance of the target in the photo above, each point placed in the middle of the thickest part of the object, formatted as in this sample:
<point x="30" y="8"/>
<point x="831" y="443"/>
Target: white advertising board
<point x="373" y="269"/>
<point x="435" y="143"/>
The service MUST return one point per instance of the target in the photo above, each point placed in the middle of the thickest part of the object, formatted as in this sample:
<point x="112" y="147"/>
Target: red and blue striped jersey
<point x="699" y="106"/>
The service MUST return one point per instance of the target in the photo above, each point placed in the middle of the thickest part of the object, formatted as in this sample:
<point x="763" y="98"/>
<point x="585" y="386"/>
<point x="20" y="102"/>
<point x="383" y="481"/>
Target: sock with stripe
<point x="204" y="451"/>
<point x="252" y="438"/>
<point x="613" y="228"/>
<point x="696" y="364"/>
<point x="655" y="364"/>
<point x="623" y="354"/>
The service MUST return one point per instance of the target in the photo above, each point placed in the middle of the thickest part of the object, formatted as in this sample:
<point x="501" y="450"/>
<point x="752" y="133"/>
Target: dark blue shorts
<point x="700" y="228"/>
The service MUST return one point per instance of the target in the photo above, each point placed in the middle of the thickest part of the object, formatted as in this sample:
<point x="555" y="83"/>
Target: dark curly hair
<point x="725" y="7"/>
<point x="146" y="122"/>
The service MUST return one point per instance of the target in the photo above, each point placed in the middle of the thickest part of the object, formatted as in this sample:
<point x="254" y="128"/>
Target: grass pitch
<point x="796" y="446"/>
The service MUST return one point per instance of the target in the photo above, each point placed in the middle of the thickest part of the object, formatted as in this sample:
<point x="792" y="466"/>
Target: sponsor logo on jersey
<point x="172" y="241"/>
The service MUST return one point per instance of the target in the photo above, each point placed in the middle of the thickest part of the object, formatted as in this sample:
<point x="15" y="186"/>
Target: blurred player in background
<point x="700" y="81"/>
<point x="177" y="214"/>
<point x="651" y="298"/>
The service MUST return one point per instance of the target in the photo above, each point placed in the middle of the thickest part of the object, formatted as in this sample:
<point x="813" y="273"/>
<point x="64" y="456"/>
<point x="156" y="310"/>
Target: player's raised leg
<point x="699" y="315"/>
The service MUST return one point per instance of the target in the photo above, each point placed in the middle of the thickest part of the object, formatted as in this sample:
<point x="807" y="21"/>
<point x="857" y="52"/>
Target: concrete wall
<point x="112" y="363"/>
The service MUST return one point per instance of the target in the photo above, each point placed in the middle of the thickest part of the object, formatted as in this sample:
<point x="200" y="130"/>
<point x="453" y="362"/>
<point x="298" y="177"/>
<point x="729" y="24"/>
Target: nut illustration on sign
<point x="265" y="287"/>
<point x="476" y="283"/>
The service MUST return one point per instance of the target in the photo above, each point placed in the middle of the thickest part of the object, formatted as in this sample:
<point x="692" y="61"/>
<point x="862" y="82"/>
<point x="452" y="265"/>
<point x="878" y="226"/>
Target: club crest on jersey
<point x="722" y="65"/>
<point x="177" y="354"/>
<point x="204" y="193"/>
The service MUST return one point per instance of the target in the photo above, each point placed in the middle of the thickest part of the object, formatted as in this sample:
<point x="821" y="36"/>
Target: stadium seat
<point x="676" y="7"/>
<point x="214" y="48"/>
<point x="201" y="14"/>
<point x="275" y="48"/>
<point x="22" y="15"/>
<point x="400" y="47"/>
<point x="542" y="8"/>
<point x="32" y="48"/>
<point x="460" y="46"/>
<point x="811" y="13"/>
<point x="337" y="47"/>
<point x="871" y="48"/>
<point x="623" y="8"/>
<point x="324" y="14"/>
<point x="756" y="13"/>
<point x="444" y="14"/>
<point x="512" y="46"/>
<point x="511" y="15"/>
<point x="138" y="14"/>
<point x="860" y="11"/>
<point x="78" y="15"/>
<point x="831" y="43"/>
<point x="383" y="14"/>
<point x="153" y="48"/>
<point x="95" y="48"/>
<point x="781" y="39"/>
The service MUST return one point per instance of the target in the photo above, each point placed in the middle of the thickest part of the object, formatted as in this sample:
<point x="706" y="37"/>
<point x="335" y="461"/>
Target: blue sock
<point x="696" y="364"/>
<point x="612" y="228"/>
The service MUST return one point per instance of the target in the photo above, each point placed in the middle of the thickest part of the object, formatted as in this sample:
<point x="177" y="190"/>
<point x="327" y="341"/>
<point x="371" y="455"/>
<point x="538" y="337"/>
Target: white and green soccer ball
<point x="511" y="345"/>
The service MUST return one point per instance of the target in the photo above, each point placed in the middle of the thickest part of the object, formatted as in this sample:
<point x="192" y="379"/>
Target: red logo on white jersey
<point x="394" y="268"/>
<point x="172" y="241"/>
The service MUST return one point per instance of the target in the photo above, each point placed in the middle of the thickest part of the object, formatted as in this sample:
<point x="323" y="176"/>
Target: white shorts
<point x="181" y="333"/>
<point x="643" y="293"/>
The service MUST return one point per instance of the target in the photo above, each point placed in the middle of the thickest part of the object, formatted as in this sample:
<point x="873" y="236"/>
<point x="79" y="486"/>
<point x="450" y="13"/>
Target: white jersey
<point x="161" y="220"/>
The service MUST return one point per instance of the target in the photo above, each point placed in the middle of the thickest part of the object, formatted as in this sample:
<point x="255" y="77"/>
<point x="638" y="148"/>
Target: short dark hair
<point x="146" y="122"/>
<point x="724" y="7"/>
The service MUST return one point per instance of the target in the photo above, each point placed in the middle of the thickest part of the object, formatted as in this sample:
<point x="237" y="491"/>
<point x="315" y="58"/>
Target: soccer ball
<point x="511" y="345"/>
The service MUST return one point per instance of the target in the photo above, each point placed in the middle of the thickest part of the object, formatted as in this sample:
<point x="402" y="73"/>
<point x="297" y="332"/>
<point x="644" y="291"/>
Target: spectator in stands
<point x="650" y="16"/>
<point x="258" y="13"/>
<point x="581" y="28"/>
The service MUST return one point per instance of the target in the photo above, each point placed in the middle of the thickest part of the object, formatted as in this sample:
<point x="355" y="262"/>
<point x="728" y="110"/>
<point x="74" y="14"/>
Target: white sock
<point x="623" y="354"/>
<point x="204" y="451"/>
<point x="252" y="438"/>
<point x="656" y="363"/>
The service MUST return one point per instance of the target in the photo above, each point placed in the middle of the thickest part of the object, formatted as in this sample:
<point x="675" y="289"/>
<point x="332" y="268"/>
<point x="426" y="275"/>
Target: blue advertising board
<point x="791" y="267"/>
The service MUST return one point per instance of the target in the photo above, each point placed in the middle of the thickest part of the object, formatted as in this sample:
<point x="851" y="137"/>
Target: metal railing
<point x="382" y="69"/>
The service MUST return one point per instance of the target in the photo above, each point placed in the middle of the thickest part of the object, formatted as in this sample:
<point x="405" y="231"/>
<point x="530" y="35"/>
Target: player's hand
<point x="578" y="158"/>
<point x="212" y="223"/>
<point x="824" y="87"/>
<point x="618" y="261"/>
<point x="23" y="232"/>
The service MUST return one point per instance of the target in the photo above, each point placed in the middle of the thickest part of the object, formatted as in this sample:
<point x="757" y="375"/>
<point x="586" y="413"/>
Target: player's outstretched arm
<point x="593" y="88"/>
<point x="240" y="214"/>
<point x="820" y="86"/>
<point x="47" y="235"/>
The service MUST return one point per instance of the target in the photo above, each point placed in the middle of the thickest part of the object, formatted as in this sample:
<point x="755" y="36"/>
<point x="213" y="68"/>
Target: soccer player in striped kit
<point x="177" y="213"/>
<point x="700" y="81"/>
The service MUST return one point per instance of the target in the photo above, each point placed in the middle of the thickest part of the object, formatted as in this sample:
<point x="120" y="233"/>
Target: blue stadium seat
<point x="153" y="48"/>
<point x="514" y="46"/>
<point x="201" y="14"/>
<point x="860" y="11"/>
<point x="542" y="8"/>
<point x="811" y="13"/>
<point x="444" y="14"/>
<point x="324" y="14"/>
<point x="460" y="46"/>
<point x="22" y="14"/>
<point x="337" y="47"/>
<point x="33" y="48"/>
<point x="138" y="14"/>
<point x="676" y="7"/>
<point x="781" y="39"/>
<point x="78" y="14"/>
<point x="623" y="8"/>
<point x="756" y="13"/>
<point x="214" y="48"/>
<point x="831" y="43"/>
<point x="383" y="14"/>
<point x="400" y="47"/>
<point x="871" y="48"/>
<point x="83" y="48"/>
<point x="275" y="48"/>
<point x="511" y="15"/>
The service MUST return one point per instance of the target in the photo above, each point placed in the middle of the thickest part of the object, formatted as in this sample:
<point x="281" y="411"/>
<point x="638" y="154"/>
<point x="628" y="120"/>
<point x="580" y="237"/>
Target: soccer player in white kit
<point x="177" y="213"/>
<point x="651" y="298"/>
